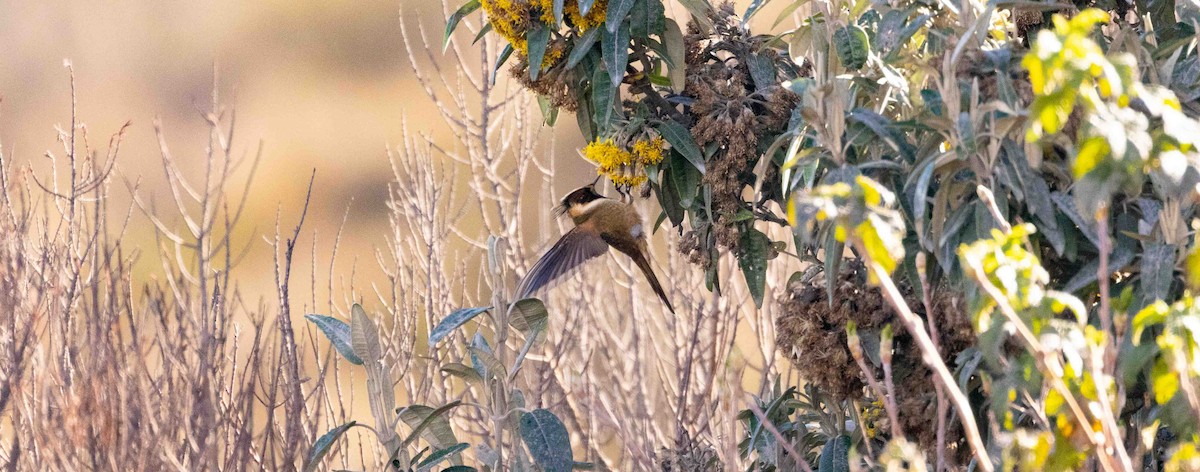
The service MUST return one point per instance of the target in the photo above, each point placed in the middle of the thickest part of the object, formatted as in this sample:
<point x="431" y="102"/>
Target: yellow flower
<point x="615" y="163"/>
<point x="594" y="17"/>
<point x="607" y="154"/>
<point x="649" y="152"/>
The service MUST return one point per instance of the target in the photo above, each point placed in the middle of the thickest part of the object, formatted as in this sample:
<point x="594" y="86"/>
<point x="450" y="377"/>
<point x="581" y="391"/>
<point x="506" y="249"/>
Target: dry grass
<point x="102" y="369"/>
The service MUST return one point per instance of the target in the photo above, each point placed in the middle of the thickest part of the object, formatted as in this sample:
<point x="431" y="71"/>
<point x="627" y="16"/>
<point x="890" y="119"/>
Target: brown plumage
<point x="600" y="222"/>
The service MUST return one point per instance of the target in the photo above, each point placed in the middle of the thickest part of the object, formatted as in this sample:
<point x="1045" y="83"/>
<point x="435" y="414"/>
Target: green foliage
<point x="427" y="423"/>
<point x="338" y="333"/>
<point x="547" y="440"/>
<point x="1041" y="176"/>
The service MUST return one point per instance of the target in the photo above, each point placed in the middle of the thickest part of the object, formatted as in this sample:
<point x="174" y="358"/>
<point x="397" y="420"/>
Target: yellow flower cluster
<point x="511" y="19"/>
<point x="649" y="152"/>
<point x="593" y="19"/>
<point x="625" y="168"/>
<point x="872" y="418"/>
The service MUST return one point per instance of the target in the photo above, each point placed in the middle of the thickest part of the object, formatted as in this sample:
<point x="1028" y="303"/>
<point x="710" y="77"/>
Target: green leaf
<point x="752" y="258"/>
<point x="583" y="46"/>
<point x="479" y="344"/>
<point x="460" y="468"/>
<point x="538" y="38"/>
<point x="647" y="18"/>
<point x="458" y="15"/>
<point x="852" y="46"/>
<point x="452" y="321"/>
<point x="323" y="445"/>
<point x="614" y="45"/>
<point x="484" y="357"/>
<point x="604" y="97"/>
<point x="549" y="111"/>
<point x="529" y="316"/>
<point x="585" y="6"/>
<point x="364" y="336"/>
<point x="504" y="55"/>
<point x="487" y="28"/>
<point x="547" y="440"/>
<point x="685" y="178"/>
<point x="762" y="71"/>
<point x="1158" y="271"/>
<point x="700" y="10"/>
<point x="835" y="456"/>
<point x="676" y="53"/>
<point x="833" y="262"/>
<point x="751" y="10"/>
<point x="338" y="333"/>
<point x="558" y="12"/>
<point x="441" y="455"/>
<point x="681" y="140"/>
<point x="429" y="424"/>
<point x="462" y="371"/>
<point x="615" y="16"/>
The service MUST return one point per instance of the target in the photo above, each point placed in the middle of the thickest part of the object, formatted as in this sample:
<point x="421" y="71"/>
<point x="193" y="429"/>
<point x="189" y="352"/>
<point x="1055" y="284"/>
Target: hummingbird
<point x="600" y="222"/>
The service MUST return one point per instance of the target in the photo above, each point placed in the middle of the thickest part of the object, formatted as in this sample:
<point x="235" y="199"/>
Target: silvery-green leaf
<point x="338" y="333"/>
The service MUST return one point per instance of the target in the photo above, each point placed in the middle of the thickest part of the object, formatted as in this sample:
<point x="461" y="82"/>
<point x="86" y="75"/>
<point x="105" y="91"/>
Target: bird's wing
<point x="574" y="248"/>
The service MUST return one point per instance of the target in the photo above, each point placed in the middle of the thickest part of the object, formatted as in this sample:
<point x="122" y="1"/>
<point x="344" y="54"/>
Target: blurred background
<point x="324" y="86"/>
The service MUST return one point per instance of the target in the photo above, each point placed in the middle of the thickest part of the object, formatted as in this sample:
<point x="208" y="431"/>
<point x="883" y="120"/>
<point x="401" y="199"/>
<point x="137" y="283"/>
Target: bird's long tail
<point x="644" y="264"/>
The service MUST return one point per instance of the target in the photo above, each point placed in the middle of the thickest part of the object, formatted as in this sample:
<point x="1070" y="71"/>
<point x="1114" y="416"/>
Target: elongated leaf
<point x="685" y="179"/>
<point x="487" y="28"/>
<point x="323" y="445"/>
<point x="762" y="71"/>
<point x="585" y="6"/>
<point x="458" y="15"/>
<point x="615" y="16"/>
<point x="604" y="97"/>
<point x="364" y="336"/>
<point x="479" y="344"/>
<point x="835" y="456"/>
<point x="752" y="258"/>
<point x="558" y="13"/>
<point x="441" y="455"/>
<point x="583" y="45"/>
<point x="1158" y="270"/>
<point x="460" y="468"/>
<point x="1067" y="205"/>
<point x="1120" y="258"/>
<point x="614" y="45"/>
<point x="700" y="10"/>
<point x="547" y="440"/>
<point x="487" y="360"/>
<point x="537" y="38"/>
<point x="646" y="18"/>
<point x="529" y="316"/>
<point x="852" y="46"/>
<point x="751" y="10"/>
<point x="504" y="55"/>
<point x="462" y="371"/>
<point x="676" y="53"/>
<point x="453" y="321"/>
<point x="681" y="140"/>
<point x="338" y="333"/>
<point x="430" y="424"/>
<point x="549" y="111"/>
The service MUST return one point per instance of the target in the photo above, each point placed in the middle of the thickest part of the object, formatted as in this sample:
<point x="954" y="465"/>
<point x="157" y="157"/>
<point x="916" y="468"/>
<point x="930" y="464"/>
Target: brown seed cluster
<point x="554" y="83"/>
<point x="731" y="111"/>
<point x="689" y="456"/>
<point x="812" y="333"/>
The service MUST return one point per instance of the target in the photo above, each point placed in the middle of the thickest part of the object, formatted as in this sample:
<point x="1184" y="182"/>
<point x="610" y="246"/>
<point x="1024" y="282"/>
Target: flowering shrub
<point x="1014" y="186"/>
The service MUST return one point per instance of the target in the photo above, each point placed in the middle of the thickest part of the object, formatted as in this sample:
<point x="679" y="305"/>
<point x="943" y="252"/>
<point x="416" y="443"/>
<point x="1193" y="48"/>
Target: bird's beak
<point x="594" y="182"/>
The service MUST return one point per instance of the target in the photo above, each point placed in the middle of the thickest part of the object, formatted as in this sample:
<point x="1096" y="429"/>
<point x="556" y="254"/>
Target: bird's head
<point x="574" y="203"/>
